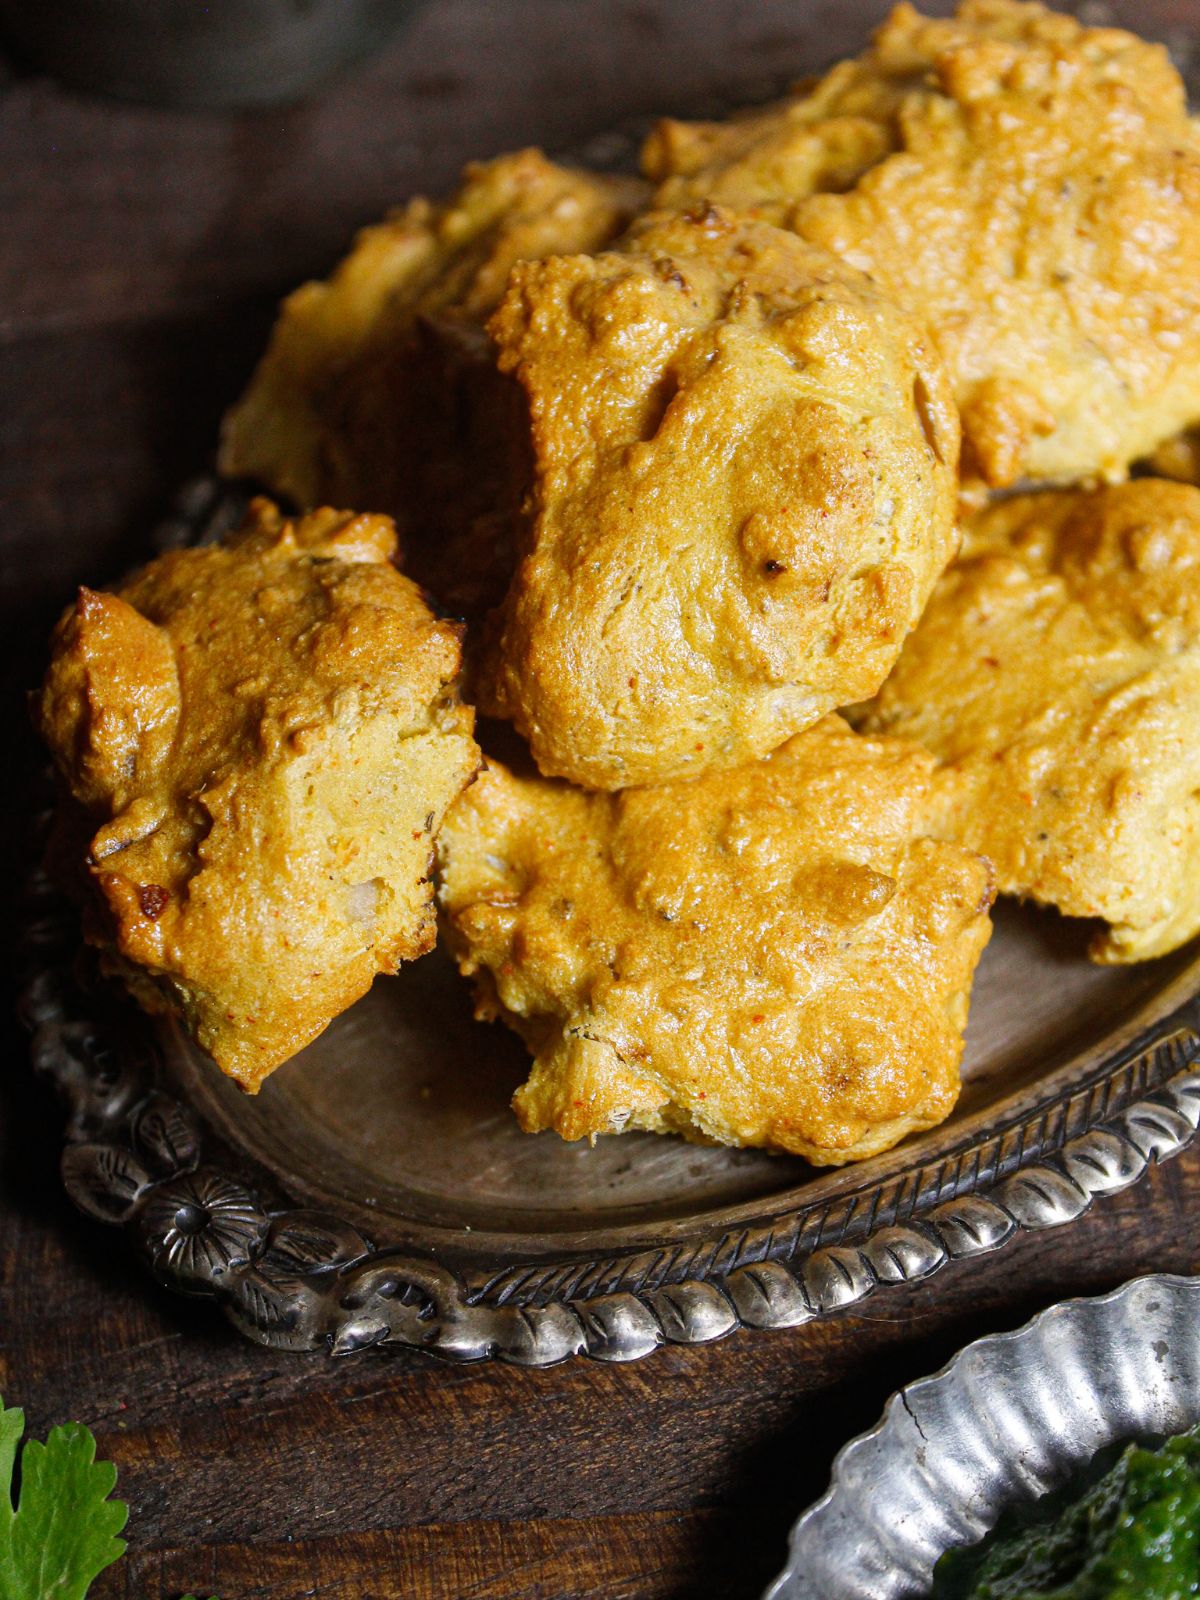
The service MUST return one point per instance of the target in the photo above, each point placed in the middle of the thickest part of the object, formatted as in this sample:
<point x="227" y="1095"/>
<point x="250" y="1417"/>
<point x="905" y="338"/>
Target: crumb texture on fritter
<point x="257" y="742"/>
<point x="379" y="388"/>
<point x="1030" y="187"/>
<point x="744" y="488"/>
<point x="775" y="956"/>
<point x="1056" y="674"/>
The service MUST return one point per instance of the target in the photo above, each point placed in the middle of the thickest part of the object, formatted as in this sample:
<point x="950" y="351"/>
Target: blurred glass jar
<point x="198" y="52"/>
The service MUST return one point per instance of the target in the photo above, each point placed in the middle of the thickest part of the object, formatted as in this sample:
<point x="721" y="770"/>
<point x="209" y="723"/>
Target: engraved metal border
<point x="299" y="1279"/>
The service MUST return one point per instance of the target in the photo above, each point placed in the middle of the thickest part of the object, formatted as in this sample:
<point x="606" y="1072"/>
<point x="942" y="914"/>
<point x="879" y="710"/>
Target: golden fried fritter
<point x="1030" y="187"/>
<point x="744" y="491"/>
<point x="259" y="740"/>
<point x="1057" y="674"/>
<point x="379" y="387"/>
<point x="775" y="955"/>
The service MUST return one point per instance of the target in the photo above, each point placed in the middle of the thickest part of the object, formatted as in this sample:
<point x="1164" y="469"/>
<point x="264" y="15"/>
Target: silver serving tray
<point x="378" y="1189"/>
<point x="1010" y="1418"/>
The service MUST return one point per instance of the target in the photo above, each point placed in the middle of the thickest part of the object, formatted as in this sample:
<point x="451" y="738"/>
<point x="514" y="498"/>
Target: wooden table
<point x="140" y="256"/>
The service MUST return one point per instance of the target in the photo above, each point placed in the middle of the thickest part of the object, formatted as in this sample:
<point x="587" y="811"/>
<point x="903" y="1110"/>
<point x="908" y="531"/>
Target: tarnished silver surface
<point x="1009" y="1419"/>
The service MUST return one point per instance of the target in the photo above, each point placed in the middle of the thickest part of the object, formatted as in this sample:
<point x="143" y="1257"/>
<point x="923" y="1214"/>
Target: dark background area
<point x="141" y="254"/>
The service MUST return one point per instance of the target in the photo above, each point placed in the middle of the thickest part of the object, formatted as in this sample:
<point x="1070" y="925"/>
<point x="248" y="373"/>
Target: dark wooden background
<point x="141" y="252"/>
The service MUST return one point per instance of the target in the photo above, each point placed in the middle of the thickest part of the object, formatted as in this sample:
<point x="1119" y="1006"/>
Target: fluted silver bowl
<point x="1010" y="1418"/>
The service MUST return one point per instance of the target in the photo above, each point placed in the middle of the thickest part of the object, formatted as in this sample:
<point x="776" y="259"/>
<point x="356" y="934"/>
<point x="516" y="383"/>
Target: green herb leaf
<point x="63" y="1531"/>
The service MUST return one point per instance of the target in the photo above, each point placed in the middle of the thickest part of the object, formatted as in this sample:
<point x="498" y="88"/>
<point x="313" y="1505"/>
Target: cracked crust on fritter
<point x="257" y="741"/>
<point x="744" y="489"/>
<point x="1030" y="187"/>
<point x="1056" y="674"/>
<point x="379" y="388"/>
<point x="775" y="956"/>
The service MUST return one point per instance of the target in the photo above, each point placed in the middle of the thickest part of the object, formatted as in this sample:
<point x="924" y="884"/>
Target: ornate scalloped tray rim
<point x="298" y="1278"/>
<point x="1057" y="1389"/>
<point x="895" y="1189"/>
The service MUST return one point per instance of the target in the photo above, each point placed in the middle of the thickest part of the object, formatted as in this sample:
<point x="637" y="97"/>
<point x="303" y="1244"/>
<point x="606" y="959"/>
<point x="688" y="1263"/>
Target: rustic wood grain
<point x="140" y="255"/>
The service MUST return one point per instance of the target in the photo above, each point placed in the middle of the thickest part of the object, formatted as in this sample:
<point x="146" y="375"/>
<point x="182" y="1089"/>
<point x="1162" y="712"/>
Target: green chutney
<point x="1131" y="1533"/>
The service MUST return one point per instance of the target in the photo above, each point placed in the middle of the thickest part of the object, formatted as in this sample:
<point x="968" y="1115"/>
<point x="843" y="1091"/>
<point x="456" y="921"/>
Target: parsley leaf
<point x="63" y="1531"/>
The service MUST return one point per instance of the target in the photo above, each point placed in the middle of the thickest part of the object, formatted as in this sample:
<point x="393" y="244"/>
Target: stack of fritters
<point x="686" y="456"/>
<point x="380" y="388"/>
